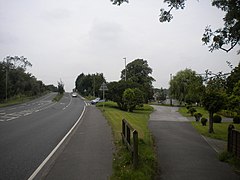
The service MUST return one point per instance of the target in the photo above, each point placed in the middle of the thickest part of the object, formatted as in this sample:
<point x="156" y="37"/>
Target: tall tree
<point x="214" y="98"/>
<point x="89" y="84"/>
<point x="225" y="38"/>
<point x="233" y="79"/>
<point x="186" y="86"/>
<point x="139" y="72"/>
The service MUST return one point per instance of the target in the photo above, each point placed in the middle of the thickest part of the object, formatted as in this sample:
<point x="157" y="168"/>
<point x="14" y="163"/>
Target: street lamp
<point x="125" y="69"/>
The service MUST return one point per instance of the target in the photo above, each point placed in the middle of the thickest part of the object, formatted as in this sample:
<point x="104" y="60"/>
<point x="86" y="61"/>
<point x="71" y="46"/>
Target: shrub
<point x="192" y="110"/>
<point x="204" y="121"/>
<point x="197" y="116"/>
<point x="217" y="119"/>
<point x="236" y="119"/>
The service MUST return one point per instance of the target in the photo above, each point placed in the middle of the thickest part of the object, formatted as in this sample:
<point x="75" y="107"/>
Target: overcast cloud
<point x="63" y="38"/>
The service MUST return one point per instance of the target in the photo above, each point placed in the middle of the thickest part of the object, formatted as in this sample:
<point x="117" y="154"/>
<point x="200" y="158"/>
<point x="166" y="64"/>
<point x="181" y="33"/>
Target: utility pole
<point x="170" y="91"/>
<point x="125" y="69"/>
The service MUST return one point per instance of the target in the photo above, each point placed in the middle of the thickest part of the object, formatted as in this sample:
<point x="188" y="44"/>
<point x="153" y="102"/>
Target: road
<point x="30" y="131"/>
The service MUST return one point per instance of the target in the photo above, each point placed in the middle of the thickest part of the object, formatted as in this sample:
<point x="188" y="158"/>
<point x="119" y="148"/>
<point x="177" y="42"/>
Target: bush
<point x="236" y="119"/>
<point x="197" y="116"/>
<point x="217" y="119"/>
<point x="192" y="110"/>
<point x="204" y="121"/>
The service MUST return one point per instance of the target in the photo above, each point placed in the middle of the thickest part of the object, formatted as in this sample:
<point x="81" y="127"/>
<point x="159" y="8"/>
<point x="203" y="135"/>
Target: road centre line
<point x="68" y="103"/>
<point x="56" y="148"/>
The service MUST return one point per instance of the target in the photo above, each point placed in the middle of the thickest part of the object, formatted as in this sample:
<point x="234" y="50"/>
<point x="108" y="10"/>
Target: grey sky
<point x="63" y="38"/>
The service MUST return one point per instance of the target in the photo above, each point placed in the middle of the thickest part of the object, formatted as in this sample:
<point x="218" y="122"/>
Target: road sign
<point x="103" y="87"/>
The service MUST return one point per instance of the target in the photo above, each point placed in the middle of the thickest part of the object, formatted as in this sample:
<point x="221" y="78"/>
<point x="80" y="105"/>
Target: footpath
<point x="87" y="154"/>
<point x="182" y="153"/>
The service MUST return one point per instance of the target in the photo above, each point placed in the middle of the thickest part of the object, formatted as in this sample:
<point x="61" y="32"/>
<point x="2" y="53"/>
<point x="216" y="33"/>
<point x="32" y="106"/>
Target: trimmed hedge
<point x="217" y="119"/>
<point x="236" y="119"/>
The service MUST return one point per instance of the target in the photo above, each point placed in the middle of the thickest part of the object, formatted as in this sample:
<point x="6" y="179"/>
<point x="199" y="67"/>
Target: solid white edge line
<point x="56" y="148"/>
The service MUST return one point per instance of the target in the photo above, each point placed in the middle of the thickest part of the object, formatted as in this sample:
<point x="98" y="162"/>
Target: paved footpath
<point x="182" y="153"/>
<point x="88" y="153"/>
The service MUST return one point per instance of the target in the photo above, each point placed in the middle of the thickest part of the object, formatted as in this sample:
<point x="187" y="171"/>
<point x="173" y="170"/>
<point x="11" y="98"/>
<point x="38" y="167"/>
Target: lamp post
<point x="170" y="91"/>
<point x="125" y="69"/>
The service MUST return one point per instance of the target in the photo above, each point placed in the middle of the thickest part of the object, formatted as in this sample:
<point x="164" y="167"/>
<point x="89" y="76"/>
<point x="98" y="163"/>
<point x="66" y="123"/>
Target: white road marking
<point x="56" y="148"/>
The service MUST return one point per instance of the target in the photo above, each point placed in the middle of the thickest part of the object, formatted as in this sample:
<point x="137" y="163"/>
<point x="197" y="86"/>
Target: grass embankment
<point x="57" y="97"/>
<point x="17" y="100"/>
<point x="220" y="129"/>
<point x="122" y="165"/>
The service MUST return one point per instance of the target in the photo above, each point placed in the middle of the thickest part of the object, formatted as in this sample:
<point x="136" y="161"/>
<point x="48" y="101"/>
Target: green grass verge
<point x="231" y="159"/>
<point x="17" y="100"/>
<point x="122" y="165"/>
<point x="220" y="129"/>
<point x="58" y="97"/>
<point x="184" y="111"/>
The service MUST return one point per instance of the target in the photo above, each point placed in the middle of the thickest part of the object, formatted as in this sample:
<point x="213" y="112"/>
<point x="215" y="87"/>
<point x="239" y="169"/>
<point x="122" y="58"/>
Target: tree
<point x="60" y="87"/>
<point x="186" y="86"/>
<point x="132" y="98"/>
<point x="233" y="79"/>
<point x="89" y="84"/>
<point x="214" y="98"/>
<point x="139" y="72"/>
<point x="225" y="38"/>
<point x="116" y="90"/>
<point x="14" y="81"/>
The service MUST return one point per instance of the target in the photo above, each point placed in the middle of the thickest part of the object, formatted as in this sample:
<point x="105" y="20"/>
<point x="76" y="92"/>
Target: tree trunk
<point x="210" y="130"/>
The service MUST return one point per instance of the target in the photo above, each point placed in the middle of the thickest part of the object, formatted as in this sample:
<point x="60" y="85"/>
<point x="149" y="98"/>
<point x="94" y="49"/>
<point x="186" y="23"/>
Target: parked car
<point x="95" y="101"/>
<point x="74" y="94"/>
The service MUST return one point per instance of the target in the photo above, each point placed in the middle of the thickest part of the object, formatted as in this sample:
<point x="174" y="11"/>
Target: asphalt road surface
<point x="30" y="131"/>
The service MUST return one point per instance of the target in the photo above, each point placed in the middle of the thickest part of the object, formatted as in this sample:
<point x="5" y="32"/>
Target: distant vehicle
<point x="95" y="101"/>
<point x="74" y="94"/>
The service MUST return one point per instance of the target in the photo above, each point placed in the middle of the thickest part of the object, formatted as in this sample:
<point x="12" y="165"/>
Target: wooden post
<point x="135" y="148"/>
<point x="123" y="130"/>
<point x="230" y="138"/>
<point x="128" y="135"/>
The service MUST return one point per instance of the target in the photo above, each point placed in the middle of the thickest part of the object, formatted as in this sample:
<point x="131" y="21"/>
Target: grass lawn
<point x="16" y="100"/>
<point x="220" y="129"/>
<point x="184" y="112"/>
<point x="122" y="165"/>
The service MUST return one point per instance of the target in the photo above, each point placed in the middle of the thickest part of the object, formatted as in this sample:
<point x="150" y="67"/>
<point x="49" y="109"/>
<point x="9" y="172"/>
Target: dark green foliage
<point x="132" y="98"/>
<point x="197" y="116"/>
<point x="186" y="86"/>
<point x="233" y="79"/>
<point x="89" y="84"/>
<point x="204" y="121"/>
<point x="15" y="81"/>
<point x="217" y="119"/>
<point x="60" y="87"/>
<point x="116" y="90"/>
<point x="236" y="119"/>
<point x="139" y="72"/>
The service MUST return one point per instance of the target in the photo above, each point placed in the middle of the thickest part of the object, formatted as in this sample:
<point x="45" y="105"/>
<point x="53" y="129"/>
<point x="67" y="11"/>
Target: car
<point x="74" y="94"/>
<point x="95" y="101"/>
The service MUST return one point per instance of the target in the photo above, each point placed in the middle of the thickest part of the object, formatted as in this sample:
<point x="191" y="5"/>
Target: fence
<point x="234" y="141"/>
<point x="126" y="138"/>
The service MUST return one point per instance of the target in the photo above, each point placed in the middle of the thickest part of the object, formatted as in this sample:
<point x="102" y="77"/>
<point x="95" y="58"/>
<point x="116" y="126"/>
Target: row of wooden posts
<point x="130" y="139"/>
<point x="233" y="141"/>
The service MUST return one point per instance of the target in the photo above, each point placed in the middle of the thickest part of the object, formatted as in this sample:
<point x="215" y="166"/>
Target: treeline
<point x="130" y="91"/>
<point x="15" y="81"/>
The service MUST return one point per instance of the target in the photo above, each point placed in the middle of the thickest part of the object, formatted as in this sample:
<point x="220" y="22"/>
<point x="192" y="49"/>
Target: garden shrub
<point x="204" y="121"/>
<point x="197" y="116"/>
<point x="217" y="119"/>
<point x="236" y="119"/>
<point x="192" y="110"/>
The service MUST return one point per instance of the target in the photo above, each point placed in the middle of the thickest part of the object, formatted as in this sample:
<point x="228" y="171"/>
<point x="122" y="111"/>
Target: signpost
<point x="103" y="88"/>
